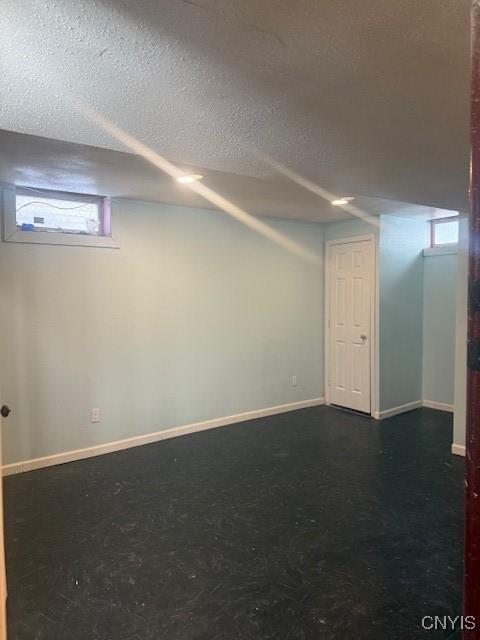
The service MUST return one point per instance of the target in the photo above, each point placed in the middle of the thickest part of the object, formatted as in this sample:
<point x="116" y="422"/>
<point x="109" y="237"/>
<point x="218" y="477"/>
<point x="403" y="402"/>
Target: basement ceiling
<point x="52" y="164"/>
<point x="361" y="97"/>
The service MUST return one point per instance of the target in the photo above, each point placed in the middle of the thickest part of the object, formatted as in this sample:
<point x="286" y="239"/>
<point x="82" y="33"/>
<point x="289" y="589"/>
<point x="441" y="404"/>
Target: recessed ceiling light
<point x="194" y="177"/>
<point x="344" y="200"/>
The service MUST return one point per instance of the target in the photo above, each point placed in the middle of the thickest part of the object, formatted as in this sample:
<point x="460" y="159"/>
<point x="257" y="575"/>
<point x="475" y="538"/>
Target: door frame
<point x="374" y="298"/>
<point x="3" y="566"/>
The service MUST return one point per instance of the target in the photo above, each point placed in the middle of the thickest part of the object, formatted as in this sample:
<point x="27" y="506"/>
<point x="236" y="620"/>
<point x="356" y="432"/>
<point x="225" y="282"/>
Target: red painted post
<point x="472" y="461"/>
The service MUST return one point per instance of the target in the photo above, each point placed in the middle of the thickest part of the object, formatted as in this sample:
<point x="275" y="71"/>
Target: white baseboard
<point x="458" y="449"/>
<point x="127" y="443"/>
<point x="402" y="408"/>
<point x="441" y="406"/>
<point x="11" y="469"/>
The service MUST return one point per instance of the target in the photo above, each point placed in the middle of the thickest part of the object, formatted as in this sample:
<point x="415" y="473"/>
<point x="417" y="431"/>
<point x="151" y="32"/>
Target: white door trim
<point x="373" y="315"/>
<point x="3" y="568"/>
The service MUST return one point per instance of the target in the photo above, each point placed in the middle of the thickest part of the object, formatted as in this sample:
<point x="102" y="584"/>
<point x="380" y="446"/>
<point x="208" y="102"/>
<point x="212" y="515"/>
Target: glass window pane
<point x="446" y="232"/>
<point x="36" y="212"/>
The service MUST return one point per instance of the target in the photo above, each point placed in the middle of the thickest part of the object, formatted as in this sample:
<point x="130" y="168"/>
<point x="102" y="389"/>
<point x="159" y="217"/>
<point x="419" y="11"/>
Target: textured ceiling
<point x="51" y="164"/>
<point x="363" y="97"/>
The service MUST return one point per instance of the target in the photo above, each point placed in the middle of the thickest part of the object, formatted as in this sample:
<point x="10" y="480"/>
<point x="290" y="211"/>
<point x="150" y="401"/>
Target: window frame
<point x="11" y="232"/>
<point x="438" y="221"/>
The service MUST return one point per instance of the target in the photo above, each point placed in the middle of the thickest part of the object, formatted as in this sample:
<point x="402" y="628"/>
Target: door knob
<point x="363" y="337"/>
<point x="5" y="411"/>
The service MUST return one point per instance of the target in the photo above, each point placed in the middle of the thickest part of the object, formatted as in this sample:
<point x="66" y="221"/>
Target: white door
<point x="349" y="323"/>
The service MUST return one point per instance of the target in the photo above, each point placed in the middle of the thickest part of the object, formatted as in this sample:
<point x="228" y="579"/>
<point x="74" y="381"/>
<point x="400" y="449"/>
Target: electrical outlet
<point x="95" y="414"/>
<point x="294" y="381"/>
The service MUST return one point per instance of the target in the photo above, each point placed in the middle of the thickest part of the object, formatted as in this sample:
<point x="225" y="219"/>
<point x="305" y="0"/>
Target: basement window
<point x="56" y="217"/>
<point x="444" y="232"/>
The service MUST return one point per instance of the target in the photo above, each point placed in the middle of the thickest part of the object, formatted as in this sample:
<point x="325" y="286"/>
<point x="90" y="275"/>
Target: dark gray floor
<point x="316" y="524"/>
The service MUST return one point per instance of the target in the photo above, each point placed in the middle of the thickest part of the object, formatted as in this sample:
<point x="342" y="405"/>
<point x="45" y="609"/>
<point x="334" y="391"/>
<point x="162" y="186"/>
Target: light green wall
<point x="439" y="311"/>
<point x="194" y="317"/>
<point x="197" y="317"/>
<point x="460" y="415"/>
<point x="402" y="241"/>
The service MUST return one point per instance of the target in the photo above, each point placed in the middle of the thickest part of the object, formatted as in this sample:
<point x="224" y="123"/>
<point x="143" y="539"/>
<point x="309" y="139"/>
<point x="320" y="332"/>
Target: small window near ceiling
<point x="58" y="212"/>
<point x="444" y="232"/>
<point x="56" y="217"/>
